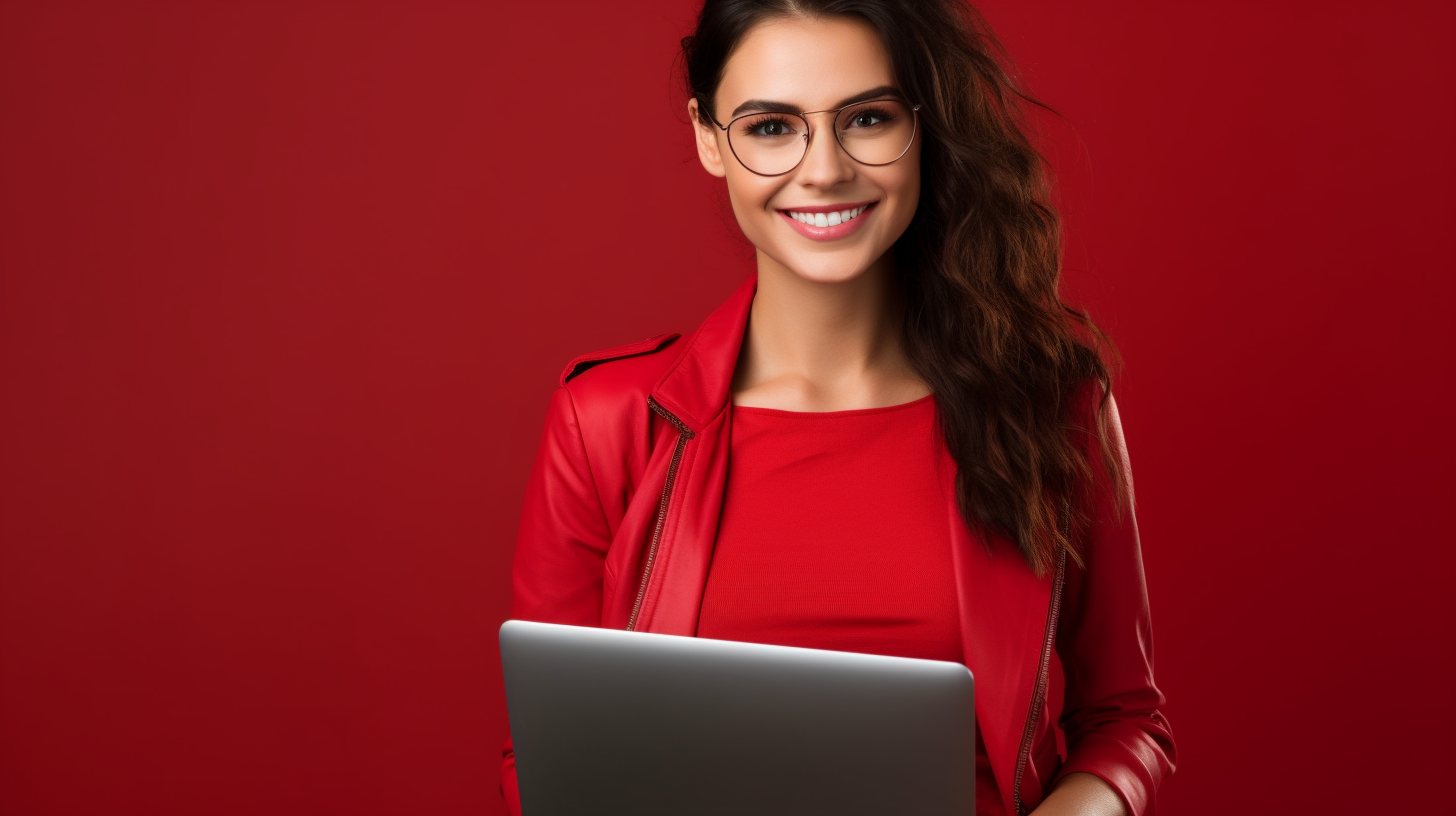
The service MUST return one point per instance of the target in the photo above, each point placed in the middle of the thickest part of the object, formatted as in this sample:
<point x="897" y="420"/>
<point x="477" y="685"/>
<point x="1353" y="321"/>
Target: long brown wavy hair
<point x="979" y="264"/>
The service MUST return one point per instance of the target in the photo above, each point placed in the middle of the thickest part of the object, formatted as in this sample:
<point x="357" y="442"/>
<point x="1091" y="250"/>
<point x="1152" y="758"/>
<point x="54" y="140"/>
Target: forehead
<point x="809" y="63"/>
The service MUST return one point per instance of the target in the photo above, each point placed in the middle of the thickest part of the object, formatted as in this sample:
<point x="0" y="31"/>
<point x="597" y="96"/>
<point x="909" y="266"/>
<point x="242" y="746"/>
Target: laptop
<point x="606" y="721"/>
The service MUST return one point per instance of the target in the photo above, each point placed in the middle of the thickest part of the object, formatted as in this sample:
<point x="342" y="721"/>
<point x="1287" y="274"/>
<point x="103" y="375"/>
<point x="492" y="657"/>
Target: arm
<point x="1081" y="794"/>
<point x="556" y="576"/>
<point x="1115" y="732"/>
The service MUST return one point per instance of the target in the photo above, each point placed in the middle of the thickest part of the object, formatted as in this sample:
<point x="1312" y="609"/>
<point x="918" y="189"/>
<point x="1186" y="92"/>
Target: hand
<point x="1081" y="794"/>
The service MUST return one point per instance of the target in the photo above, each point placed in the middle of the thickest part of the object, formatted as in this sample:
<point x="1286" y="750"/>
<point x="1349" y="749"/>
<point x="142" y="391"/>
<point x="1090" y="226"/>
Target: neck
<point x="817" y="346"/>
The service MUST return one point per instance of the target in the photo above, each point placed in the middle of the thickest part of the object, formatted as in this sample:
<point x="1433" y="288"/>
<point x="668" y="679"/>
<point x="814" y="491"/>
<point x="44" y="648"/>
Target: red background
<point x="285" y="288"/>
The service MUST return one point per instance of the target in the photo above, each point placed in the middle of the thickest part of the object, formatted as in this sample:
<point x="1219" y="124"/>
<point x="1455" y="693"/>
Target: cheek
<point x="908" y="188"/>
<point x="904" y="189"/>
<point x="907" y="181"/>
<point x="911" y="195"/>
<point x="750" y="195"/>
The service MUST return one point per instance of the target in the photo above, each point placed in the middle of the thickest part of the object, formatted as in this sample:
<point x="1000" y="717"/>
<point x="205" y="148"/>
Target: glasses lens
<point x="876" y="132"/>
<point x="768" y="143"/>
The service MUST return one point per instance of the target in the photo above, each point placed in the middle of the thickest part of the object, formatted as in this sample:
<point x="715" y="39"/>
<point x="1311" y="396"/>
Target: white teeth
<point x="827" y="219"/>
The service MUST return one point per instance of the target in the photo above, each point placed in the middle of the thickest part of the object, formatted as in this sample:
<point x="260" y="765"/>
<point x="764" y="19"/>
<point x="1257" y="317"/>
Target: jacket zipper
<point x="1038" y="696"/>
<point x="684" y="433"/>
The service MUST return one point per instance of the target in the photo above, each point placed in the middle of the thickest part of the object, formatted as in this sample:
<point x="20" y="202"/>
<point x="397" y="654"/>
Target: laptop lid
<point x="609" y="721"/>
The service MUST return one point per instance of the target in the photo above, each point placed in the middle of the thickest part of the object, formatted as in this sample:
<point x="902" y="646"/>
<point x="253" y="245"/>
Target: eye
<point x="870" y="117"/>
<point x="768" y="126"/>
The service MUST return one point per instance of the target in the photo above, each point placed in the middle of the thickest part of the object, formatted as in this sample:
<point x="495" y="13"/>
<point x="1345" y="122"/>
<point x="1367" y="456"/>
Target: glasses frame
<point x="809" y="131"/>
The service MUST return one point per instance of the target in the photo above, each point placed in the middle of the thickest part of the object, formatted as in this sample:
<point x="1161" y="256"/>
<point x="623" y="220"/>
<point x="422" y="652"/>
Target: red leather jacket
<point x="621" y="512"/>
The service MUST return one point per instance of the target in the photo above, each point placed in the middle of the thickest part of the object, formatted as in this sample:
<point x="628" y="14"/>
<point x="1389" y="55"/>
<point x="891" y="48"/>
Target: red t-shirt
<point x="834" y="534"/>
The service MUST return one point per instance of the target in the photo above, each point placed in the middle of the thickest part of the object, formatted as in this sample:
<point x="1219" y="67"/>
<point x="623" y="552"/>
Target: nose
<point x="825" y="163"/>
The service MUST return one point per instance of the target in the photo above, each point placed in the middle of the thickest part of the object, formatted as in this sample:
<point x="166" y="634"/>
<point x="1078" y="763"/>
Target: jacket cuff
<point x="508" y="789"/>
<point x="1108" y="759"/>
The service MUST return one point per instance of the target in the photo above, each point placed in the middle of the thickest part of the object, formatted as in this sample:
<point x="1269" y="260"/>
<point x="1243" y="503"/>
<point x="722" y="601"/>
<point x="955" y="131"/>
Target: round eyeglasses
<point x="771" y="143"/>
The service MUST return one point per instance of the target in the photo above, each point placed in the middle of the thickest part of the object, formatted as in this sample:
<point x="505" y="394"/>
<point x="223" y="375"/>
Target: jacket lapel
<point x="1003" y="608"/>
<point x="696" y="391"/>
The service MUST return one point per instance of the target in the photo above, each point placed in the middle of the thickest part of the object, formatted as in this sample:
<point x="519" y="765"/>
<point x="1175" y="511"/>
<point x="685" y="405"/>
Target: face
<point x="811" y="65"/>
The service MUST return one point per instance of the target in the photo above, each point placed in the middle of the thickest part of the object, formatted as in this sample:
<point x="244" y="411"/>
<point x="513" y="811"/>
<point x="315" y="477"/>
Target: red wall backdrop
<point x="284" y="289"/>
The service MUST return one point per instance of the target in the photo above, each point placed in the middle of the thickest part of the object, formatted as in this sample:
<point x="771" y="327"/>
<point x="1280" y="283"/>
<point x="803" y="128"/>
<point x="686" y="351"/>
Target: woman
<point x="894" y="437"/>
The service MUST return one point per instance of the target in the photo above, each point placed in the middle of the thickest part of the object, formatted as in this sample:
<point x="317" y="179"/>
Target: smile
<point x="829" y="219"/>
<point x="826" y="223"/>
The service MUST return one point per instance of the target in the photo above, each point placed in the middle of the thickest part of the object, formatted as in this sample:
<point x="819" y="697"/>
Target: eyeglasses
<point x="772" y="143"/>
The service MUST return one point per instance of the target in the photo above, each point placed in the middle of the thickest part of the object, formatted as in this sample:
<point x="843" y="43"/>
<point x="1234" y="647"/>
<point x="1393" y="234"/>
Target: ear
<point x="706" y="135"/>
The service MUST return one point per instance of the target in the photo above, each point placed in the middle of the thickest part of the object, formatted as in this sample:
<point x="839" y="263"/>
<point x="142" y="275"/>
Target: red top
<point x="834" y="535"/>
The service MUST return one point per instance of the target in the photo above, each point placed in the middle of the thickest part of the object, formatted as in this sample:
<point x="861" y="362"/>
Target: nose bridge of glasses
<point x="810" y="127"/>
<point x="834" y="146"/>
<point x="810" y="131"/>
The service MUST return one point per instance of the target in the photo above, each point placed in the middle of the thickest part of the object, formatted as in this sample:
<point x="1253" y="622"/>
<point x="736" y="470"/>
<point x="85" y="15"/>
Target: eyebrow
<point x="770" y="106"/>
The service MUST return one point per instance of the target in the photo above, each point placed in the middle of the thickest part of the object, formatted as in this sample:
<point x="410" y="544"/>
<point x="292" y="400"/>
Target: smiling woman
<point x="895" y="437"/>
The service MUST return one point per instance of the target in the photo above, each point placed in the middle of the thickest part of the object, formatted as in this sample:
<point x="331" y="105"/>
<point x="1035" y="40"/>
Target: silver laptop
<point x="612" y="722"/>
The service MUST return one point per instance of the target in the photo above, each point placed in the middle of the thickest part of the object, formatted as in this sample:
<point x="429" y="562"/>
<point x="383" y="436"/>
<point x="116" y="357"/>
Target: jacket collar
<point x="696" y="387"/>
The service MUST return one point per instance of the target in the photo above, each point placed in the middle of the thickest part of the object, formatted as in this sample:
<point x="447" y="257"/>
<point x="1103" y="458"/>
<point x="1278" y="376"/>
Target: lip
<point x="830" y="233"/>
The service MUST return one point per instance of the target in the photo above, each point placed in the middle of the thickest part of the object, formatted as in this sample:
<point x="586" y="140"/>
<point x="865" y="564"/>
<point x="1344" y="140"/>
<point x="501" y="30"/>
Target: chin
<point x="825" y="270"/>
<point x="822" y="273"/>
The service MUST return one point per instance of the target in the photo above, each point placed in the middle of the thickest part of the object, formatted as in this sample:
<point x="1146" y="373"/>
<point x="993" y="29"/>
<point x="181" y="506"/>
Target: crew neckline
<point x="849" y="412"/>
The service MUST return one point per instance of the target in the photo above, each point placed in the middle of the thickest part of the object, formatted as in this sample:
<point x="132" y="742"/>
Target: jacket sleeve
<point x="556" y="575"/>
<point x="1113" y="727"/>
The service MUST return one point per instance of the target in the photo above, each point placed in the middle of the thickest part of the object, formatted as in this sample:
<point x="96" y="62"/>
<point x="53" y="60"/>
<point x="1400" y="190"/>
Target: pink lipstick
<point x="827" y="222"/>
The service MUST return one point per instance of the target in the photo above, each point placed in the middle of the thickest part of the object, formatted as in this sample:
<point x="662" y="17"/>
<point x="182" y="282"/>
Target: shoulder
<point x="1096" y="429"/>
<point x="593" y="359"/>
<point x="602" y="404"/>
<point x="619" y="375"/>
<point x="1087" y="397"/>
<point x="1092" y="412"/>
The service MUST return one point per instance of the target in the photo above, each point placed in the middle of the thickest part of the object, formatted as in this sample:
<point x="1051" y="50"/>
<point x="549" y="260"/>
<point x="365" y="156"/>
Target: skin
<point x="824" y="329"/>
